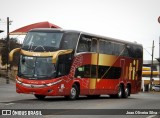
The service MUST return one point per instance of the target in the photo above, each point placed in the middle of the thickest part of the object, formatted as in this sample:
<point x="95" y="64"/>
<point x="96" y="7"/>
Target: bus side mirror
<point x="11" y="54"/>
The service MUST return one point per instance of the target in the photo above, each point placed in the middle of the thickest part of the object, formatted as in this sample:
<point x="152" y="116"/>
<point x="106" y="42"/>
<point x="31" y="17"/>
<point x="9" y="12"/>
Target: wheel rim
<point x="119" y="92"/>
<point x="73" y="93"/>
<point x="126" y="92"/>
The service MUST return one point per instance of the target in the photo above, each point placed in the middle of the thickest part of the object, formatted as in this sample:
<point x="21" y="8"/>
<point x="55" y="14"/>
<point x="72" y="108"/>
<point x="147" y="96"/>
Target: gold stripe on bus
<point x="46" y="54"/>
<point x="38" y="54"/>
<point x="133" y="69"/>
<point x="133" y="73"/>
<point x="13" y="52"/>
<point x="130" y="70"/>
<point x="107" y="60"/>
<point x="94" y="59"/>
<point x="60" y="52"/>
<point x="126" y="72"/>
<point x="137" y="65"/>
<point x="92" y="83"/>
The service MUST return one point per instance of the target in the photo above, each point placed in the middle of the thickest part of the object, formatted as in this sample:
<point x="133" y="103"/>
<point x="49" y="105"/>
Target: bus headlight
<point x="19" y="82"/>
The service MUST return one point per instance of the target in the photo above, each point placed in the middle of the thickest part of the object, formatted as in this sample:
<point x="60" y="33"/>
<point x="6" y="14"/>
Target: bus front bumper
<point x="43" y="89"/>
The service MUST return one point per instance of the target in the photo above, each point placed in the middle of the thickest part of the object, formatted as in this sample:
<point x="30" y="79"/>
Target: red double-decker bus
<point x="57" y="62"/>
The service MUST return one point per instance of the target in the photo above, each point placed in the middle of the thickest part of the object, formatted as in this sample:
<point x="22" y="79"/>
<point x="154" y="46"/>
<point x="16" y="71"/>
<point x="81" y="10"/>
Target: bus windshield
<point x="36" y="67"/>
<point x="42" y="41"/>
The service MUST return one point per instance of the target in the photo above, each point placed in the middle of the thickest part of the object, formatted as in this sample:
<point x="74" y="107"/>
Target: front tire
<point x="74" y="93"/>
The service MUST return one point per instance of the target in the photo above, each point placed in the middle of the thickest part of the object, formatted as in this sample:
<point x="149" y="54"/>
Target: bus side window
<point x="83" y="72"/>
<point x="102" y="47"/>
<point x="138" y="52"/>
<point x="69" y="40"/>
<point x="82" y="47"/>
<point x="84" y="44"/>
<point x="131" y="51"/>
<point x="108" y="72"/>
<point x="125" y="52"/>
<point x="94" y="45"/>
<point x="105" y="47"/>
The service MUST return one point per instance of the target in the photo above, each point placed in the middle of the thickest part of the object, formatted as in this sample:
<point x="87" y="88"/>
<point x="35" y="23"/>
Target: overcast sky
<point x="131" y="20"/>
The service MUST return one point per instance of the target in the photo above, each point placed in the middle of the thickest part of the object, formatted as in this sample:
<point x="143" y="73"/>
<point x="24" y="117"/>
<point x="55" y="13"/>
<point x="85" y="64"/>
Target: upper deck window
<point x="69" y="40"/>
<point x="84" y="44"/>
<point x="87" y="44"/>
<point x="42" y="41"/>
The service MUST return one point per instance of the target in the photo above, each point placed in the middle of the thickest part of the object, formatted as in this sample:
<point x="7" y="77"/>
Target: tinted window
<point x="138" y="52"/>
<point x="69" y="40"/>
<point x="125" y="52"/>
<point x="42" y="41"/>
<point x="84" y="44"/>
<point x="111" y="48"/>
<point x="86" y="71"/>
<point x="118" y="48"/>
<point x="135" y="51"/>
<point x="107" y="72"/>
<point x="105" y="47"/>
<point x="94" y="45"/>
<point x="104" y="72"/>
<point x="64" y="64"/>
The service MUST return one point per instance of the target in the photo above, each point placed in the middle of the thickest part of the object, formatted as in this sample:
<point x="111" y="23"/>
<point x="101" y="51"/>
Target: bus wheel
<point x="126" y="92"/>
<point x="120" y="92"/>
<point x="74" y="93"/>
<point x="40" y="97"/>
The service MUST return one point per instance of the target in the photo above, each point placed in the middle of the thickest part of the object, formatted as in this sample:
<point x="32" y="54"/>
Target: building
<point x="146" y="74"/>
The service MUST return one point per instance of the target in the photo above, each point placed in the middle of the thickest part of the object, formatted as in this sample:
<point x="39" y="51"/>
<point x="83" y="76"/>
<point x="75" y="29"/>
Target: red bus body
<point x="61" y="86"/>
<point x="88" y="86"/>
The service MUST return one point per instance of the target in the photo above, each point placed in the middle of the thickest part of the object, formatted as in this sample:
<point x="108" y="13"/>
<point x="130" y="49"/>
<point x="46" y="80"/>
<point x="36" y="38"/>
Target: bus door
<point x="94" y="68"/>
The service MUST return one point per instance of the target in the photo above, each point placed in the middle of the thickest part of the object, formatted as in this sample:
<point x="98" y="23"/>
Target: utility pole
<point x="159" y="60"/>
<point x="159" y="52"/>
<point x="151" y="78"/>
<point x="8" y="49"/>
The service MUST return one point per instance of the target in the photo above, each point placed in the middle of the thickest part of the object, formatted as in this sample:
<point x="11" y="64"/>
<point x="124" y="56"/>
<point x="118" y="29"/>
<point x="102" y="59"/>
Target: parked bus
<point x="57" y="62"/>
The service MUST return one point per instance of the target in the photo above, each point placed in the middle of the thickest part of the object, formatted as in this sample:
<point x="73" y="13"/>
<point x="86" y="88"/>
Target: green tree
<point x="8" y="47"/>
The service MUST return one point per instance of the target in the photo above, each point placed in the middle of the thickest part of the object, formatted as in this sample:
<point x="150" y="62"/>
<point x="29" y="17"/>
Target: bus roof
<point x="85" y="33"/>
